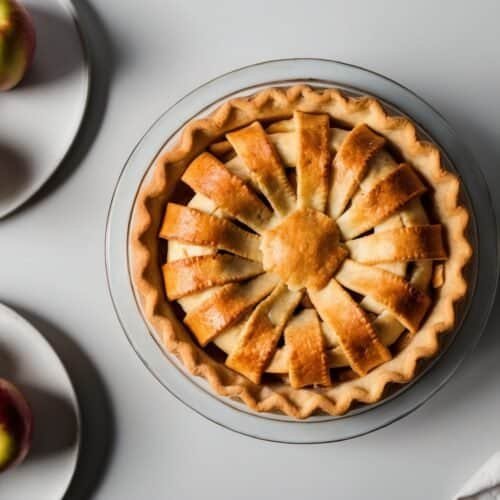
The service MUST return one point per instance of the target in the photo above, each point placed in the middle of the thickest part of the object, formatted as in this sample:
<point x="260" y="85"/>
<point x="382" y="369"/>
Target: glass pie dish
<point x="194" y="391"/>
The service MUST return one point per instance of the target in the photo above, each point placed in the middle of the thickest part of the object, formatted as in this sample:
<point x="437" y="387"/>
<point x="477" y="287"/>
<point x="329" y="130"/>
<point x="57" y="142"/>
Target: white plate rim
<point x="5" y="310"/>
<point x="17" y="203"/>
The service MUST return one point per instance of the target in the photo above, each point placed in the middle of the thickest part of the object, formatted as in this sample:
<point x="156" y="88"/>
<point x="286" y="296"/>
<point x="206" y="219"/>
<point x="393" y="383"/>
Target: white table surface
<point x="140" y="442"/>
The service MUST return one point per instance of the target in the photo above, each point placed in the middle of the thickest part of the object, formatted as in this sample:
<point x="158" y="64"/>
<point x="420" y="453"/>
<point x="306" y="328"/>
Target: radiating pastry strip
<point x="208" y="176"/>
<point x="198" y="228"/>
<point x="284" y="144"/>
<point x="350" y="165"/>
<point x="260" y="335"/>
<point x="380" y="165"/>
<point x="254" y="147"/>
<point x="355" y="334"/>
<point x="226" y="306"/>
<point x="404" y="244"/>
<point x="370" y="304"/>
<point x="285" y="147"/>
<point x="313" y="159"/>
<point x="406" y="302"/>
<point x="193" y="274"/>
<point x="307" y="361"/>
<point x="384" y="199"/>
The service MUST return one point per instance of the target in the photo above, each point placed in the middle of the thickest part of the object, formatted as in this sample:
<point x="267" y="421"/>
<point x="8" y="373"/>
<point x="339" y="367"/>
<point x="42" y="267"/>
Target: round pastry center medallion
<point x="304" y="249"/>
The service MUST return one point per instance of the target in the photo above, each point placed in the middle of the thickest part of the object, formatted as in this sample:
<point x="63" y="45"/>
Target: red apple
<point x="16" y="426"/>
<point x="17" y="43"/>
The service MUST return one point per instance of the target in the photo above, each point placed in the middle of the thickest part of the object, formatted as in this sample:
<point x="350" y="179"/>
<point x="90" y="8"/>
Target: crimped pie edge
<point x="273" y="104"/>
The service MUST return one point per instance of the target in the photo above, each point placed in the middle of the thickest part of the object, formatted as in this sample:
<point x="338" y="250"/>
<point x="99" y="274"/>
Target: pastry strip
<point x="350" y="165"/>
<point x="406" y="302"/>
<point x="259" y="155"/>
<point x="226" y="306"/>
<point x="307" y="362"/>
<point x="403" y="245"/>
<point x="380" y="166"/>
<point x="384" y="199"/>
<point x="257" y="342"/>
<point x="313" y="159"/>
<point x="208" y="176"/>
<point x="355" y="334"/>
<point x="185" y="276"/>
<point x="198" y="228"/>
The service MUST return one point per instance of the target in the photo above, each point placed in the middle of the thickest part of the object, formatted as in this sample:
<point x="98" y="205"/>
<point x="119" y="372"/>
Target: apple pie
<point x="300" y="249"/>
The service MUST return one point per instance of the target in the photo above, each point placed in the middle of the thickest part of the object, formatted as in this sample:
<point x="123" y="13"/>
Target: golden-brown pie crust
<point x="391" y="193"/>
<point x="280" y="104"/>
<point x="259" y="155"/>
<point x="401" y="244"/>
<point x="261" y="333"/>
<point x="303" y="249"/>
<point x="350" y="164"/>
<point x="355" y="333"/>
<point x="313" y="159"/>
<point x="405" y="301"/>
<point x="198" y="228"/>
<point x="308" y="361"/>
<point x="225" y="307"/>
<point x="208" y="176"/>
<point x="193" y="274"/>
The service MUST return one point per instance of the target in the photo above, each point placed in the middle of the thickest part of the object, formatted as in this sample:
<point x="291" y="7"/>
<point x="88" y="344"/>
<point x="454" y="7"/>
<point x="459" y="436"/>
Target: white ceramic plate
<point x="41" y="117"/>
<point x="194" y="391"/>
<point x="28" y="360"/>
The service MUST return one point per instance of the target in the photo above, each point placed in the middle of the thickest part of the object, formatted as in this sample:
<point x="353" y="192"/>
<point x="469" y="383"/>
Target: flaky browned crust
<point x="273" y="104"/>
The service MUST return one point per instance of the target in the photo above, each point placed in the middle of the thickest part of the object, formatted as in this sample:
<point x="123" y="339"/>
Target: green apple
<point x="16" y="425"/>
<point x="17" y="43"/>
